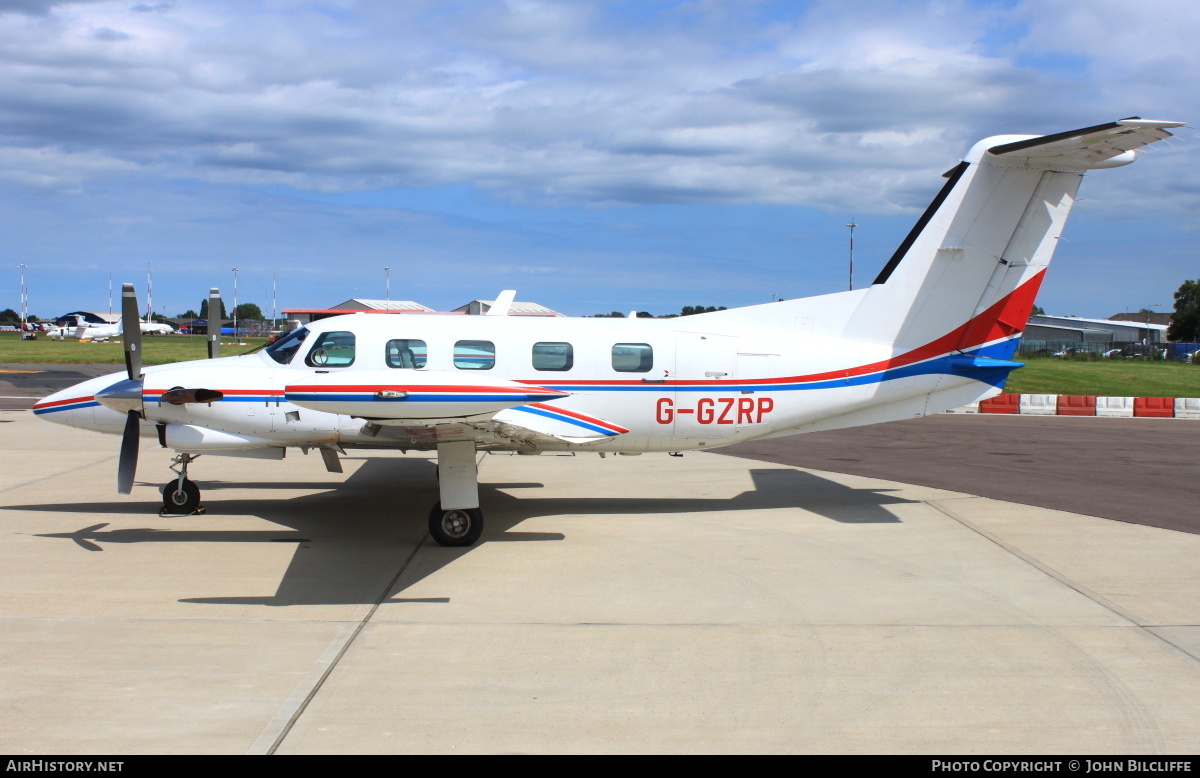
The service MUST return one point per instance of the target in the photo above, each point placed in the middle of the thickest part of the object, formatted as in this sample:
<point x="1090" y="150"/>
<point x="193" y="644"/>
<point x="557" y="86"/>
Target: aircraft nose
<point x="123" y="396"/>
<point x="64" y="407"/>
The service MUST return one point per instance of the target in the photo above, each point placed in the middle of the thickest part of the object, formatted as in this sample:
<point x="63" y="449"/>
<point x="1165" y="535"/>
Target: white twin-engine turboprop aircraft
<point x="936" y="330"/>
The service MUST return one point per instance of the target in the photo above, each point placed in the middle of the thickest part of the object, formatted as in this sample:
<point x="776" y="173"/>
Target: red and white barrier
<point x="1087" y="405"/>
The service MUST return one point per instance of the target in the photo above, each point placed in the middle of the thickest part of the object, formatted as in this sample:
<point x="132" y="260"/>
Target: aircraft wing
<point x="1090" y="146"/>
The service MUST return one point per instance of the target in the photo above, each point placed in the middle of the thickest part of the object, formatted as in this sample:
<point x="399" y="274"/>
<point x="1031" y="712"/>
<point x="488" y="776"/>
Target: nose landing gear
<point x="180" y="495"/>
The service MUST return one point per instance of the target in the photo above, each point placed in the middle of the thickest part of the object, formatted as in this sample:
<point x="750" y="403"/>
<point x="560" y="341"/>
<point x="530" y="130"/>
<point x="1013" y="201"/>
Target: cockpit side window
<point x="407" y="354"/>
<point x="332" y="349"/>
<point x="286" y="347"/>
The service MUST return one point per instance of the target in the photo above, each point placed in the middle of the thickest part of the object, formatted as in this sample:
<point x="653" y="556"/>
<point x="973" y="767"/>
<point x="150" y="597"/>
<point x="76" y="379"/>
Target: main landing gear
<point x="455" y="527"/>
<point x="457" y="520"/>
<point x="180" y="495"/>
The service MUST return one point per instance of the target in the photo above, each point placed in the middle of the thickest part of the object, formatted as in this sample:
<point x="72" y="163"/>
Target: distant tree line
<point x="688" y="310"/>
<point x="1185" y="321"/>
<point x="9" y="317"/>
<point x="245" y="312"/>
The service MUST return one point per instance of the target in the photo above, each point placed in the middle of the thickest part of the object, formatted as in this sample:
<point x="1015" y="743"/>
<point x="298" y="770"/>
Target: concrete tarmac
<point x="1142" y="471"/>
<point x="708" y="604"/>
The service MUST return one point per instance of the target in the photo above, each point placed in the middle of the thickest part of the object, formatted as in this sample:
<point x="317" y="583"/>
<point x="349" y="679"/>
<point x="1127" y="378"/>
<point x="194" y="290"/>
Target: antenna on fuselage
<point x="502" y="303"/>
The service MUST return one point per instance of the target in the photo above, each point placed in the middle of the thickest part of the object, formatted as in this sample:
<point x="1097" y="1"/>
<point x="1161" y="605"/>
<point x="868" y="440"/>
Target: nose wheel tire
<point x="177" y="500"/>
<point x="455" y="527"/>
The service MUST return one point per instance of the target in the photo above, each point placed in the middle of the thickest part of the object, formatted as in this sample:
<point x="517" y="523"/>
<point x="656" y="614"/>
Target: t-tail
<point x="965" y="278"/>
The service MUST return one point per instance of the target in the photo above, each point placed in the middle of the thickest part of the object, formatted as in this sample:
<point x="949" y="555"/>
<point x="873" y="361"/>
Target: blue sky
<point x="594" y="156"/>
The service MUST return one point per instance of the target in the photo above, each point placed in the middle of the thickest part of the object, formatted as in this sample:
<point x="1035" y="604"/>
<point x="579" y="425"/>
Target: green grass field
<point x="156" y="350"/>
<point x="1110" y="377"/>
<point x="1105" y="378"/>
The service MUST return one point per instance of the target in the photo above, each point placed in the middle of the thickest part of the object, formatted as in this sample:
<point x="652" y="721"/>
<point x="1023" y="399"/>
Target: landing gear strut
<point x="457" y="520"/>
<point x="181" y="495"/>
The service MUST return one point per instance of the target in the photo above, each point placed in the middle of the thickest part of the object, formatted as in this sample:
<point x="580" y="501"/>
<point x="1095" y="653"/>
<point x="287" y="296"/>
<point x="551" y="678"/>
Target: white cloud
<point x="51" y="168"/>
<point x="543" y="101"/>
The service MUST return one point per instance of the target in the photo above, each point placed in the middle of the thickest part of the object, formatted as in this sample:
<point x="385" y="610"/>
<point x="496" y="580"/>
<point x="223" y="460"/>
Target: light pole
<point x="388" y="287"/>
<point x="235" y="332"/>
<point x="851" y="225"/>
<point x="24" y="298"/>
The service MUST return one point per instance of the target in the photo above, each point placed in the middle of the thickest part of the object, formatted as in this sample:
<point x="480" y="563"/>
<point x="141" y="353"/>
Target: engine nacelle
<point x="191" y="438"/>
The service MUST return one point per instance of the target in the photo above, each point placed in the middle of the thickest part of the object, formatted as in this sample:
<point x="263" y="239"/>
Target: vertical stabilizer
<point x="968" y="272"/>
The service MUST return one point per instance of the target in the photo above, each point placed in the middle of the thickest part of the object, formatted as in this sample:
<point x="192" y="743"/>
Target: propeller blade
<point x="214" y="315"/>
<point x="127" y="464"/>
<point x="131" y="332"/>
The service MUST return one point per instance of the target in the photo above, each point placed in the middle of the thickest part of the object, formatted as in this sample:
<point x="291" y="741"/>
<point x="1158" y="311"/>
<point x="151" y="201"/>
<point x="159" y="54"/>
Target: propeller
<point x="214" y="314"/>
<point x="132" y="332"/>
<point x="126" y="396"/>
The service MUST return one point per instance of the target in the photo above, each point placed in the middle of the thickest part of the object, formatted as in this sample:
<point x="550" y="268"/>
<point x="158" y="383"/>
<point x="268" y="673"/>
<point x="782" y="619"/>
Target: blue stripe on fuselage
<point x="56" y="409"/>
<point x="567" y="419"/>
<point x="938" y="365"/>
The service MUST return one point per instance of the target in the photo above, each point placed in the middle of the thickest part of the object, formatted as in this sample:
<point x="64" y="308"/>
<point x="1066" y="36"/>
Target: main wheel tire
<point x="457" y="527"/>
<point x="186" y="500"/>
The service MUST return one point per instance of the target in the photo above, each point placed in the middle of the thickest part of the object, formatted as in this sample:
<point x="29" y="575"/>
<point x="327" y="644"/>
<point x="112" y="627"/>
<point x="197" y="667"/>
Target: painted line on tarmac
<point x="281" y="724"/>
<point x="72" y="469"/>
<point x="1134" y="621"/>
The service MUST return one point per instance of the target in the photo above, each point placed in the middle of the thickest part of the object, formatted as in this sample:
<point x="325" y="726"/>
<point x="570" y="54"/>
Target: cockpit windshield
<point x="286" y="347"/>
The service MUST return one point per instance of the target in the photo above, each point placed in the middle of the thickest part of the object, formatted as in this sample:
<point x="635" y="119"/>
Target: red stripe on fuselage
<point x="471" y="389"/>
<point x="56" y="403"/>
<point x="589" y="419"/>
<point x="1004" y="319"/>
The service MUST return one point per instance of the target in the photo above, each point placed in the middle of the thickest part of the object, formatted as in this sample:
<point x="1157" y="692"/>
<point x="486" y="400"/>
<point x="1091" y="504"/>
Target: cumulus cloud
<point x="556" y="102"/>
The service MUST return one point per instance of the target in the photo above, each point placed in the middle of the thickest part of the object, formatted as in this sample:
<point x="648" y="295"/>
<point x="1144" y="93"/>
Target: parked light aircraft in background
<point x="89" y="330"/>
<point x="155" y="328"/>
<point x="936" y="330"/>
<point x="85" y="330"/>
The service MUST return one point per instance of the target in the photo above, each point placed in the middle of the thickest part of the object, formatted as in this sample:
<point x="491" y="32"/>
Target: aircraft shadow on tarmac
<point x="356" y="540"/>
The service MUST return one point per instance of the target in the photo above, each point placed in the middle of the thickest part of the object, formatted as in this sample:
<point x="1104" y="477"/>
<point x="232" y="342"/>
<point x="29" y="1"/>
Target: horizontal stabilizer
<point x="1104" y="145"/>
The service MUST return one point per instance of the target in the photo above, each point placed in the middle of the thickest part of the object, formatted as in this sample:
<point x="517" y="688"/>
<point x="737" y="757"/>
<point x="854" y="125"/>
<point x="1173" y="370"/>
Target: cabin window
<point x="474" y="355"/>
<point x="407" y="354"/>
<point x="632" y="357"/>
<point x="332" y="349"/>
<point x="553" y="356"/>
<point x="286" y="347"/>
